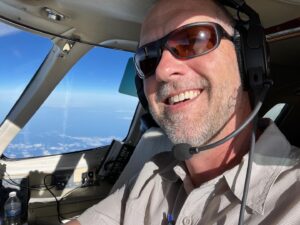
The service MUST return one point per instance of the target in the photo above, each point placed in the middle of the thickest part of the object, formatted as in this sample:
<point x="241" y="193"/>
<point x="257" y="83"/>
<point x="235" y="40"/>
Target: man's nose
<point x="169" y="67"/>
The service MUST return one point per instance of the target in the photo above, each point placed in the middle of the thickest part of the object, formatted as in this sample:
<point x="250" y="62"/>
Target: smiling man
<point x="201" y="99"/>
<point x="188" y="66"/>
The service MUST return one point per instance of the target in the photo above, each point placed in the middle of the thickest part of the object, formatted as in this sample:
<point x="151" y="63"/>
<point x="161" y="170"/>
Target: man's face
<point x="191" y="99"/>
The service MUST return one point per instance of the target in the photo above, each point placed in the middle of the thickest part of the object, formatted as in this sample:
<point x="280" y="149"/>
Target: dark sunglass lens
<point x="193" y="41"/>
<point x="146" y="60"/>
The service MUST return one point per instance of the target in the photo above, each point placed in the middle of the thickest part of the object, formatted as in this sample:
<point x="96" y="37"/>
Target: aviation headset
<point x="251" y="50"/>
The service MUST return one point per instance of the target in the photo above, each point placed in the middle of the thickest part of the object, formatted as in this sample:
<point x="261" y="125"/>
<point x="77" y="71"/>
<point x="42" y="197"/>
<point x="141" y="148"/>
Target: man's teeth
<point x="183" y="96"/>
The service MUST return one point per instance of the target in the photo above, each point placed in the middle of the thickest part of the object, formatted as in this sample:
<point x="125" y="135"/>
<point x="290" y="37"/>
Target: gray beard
<point x="180" y="128"/>
<point x="195" y="134"/>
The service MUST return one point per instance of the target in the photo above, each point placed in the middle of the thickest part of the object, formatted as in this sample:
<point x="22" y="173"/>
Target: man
<point x="201" y="100"/>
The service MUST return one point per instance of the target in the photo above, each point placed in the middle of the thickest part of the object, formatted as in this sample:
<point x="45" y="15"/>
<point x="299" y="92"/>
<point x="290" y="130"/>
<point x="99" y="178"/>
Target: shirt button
<point x="187" y="220"/>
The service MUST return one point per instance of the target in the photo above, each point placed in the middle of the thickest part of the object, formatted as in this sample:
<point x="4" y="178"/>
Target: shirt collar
<point x="271" y="157"/>
<point x="177" y="171"/>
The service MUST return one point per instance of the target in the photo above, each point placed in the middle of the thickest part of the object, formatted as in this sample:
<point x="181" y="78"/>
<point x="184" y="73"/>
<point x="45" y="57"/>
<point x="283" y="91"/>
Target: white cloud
<point x="38" y="145"/>
<point x="46" y="152"/>
<point x="6" y="30"/>
<point x="73" y="143"/>
<point x="11" y="155"/>
<point x="56" y="148"/>
<point x="91" y="141"/>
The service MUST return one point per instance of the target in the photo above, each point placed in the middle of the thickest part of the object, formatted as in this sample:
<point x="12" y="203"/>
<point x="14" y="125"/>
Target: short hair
<point x="223" y="12"/>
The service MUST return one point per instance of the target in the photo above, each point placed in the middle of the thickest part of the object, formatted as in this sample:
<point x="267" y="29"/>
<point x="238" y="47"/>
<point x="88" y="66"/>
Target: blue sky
<point x="84" y="111"/>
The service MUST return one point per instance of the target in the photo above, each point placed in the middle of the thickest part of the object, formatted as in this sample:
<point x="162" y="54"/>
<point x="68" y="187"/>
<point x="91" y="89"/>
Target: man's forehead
<point x="184" y="8"/>
<point x="165" y="17"/>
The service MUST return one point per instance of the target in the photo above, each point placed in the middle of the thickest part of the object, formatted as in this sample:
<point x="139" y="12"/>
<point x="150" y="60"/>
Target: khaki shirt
<point x="164" y="188"/>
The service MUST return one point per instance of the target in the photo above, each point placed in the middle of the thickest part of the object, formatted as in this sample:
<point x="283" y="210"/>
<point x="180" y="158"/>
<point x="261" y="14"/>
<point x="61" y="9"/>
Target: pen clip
<point x="170" y="219"/>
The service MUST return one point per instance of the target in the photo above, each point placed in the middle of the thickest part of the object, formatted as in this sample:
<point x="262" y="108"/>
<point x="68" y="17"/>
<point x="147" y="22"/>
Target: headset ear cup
<point x="251" y="59"/>
<point x="239" y="49"/>
<point x="140" y="92"/>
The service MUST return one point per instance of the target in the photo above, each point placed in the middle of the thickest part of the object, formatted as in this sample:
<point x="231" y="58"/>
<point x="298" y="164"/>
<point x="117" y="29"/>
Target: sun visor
<point x="127" y="85"/>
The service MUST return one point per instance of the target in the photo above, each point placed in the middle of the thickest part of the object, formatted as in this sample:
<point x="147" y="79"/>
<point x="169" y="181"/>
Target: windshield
<point x="21" y="55"/>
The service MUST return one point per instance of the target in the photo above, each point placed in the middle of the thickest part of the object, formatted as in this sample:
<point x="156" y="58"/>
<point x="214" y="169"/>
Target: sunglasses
<point x="185" y="42"/>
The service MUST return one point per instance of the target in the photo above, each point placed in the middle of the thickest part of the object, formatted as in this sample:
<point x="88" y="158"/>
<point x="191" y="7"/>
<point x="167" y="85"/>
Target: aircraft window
<point x="20" y="56"/>
<point x="275" y="111"/>
<point x="84" y="111"/>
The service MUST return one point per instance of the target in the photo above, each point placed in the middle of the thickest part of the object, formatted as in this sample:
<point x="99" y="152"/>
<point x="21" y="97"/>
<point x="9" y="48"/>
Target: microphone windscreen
<point x="182" y="151"/>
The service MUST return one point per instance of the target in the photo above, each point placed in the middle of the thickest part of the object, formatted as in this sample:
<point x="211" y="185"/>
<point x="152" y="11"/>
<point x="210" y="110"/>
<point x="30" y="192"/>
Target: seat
<point x="152" y="142"/>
